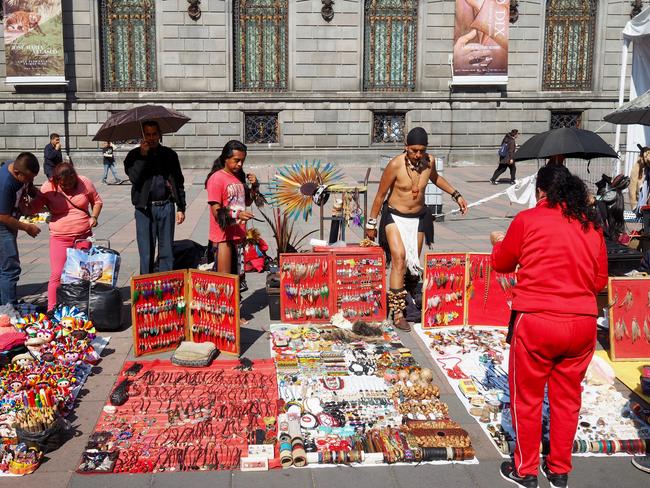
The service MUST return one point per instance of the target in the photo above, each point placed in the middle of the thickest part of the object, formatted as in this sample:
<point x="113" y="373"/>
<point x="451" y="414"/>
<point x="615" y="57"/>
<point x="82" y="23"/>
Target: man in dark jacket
<point x="506" y="157"/>
<point x="52" y="155"/>
<point x="157" y="184"/>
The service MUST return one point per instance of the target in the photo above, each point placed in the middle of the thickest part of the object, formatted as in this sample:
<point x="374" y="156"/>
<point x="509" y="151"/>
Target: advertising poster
<point x="33" y="34"/>
<point x="480" y="54"/>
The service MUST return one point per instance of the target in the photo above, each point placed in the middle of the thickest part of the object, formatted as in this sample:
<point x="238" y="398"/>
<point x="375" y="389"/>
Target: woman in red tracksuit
<point x="562" y="259"/>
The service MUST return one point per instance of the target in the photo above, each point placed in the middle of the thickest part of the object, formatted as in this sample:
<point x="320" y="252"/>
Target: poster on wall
<point x="480" y="55"/>
<point x="33" y="35"/>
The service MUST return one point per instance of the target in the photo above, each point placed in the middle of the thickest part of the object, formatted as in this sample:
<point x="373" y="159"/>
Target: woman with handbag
<point x="68" y="196"/>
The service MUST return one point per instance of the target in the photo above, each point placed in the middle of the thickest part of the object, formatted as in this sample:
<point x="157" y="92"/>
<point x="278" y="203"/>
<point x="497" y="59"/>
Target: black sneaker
<point x="509" y="473"/>
<point x="556" y="480"/>
<point x="642" y="463"/>
<point x="493" y="182"/>
<point x="243" y="286"/>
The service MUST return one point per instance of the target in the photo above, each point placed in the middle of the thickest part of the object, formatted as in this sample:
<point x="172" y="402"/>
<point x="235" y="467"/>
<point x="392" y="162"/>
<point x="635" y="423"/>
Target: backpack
<point x="503" y="150"/>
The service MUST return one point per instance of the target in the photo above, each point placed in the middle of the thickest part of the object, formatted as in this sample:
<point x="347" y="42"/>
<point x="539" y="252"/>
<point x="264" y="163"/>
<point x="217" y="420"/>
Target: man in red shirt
<point x="561" y="257"/>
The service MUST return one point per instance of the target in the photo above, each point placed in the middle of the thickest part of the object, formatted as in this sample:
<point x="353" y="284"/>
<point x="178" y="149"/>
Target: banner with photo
<point x="33" y="34"/>
<point x="480" y="54"/>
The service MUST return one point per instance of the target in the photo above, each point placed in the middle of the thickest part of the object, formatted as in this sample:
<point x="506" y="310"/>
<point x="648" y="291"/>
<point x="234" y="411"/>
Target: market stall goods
<point x="462" y="289"/>
<point x="182" y="419"/>
<point x="38" y="389"/>
<point x="354" y="394"/>
<point x="475" y="362"/>
<point x="168" y="308"/>
<point x="629" y="319"/>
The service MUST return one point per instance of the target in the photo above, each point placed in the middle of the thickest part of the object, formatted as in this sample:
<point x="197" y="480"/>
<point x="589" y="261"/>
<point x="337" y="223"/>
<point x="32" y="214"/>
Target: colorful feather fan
<point x="293" y="186"/>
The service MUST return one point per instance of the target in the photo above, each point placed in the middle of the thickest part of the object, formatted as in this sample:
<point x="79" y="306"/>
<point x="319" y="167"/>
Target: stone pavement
<point x="456" y="233"/>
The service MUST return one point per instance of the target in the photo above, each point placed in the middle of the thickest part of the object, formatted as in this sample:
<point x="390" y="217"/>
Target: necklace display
<point x="176" y="419"/>
<point x="158" y="311"/>
<point x="489" y="293"/>
<point x="315" y="286"/>
<point x="443" y="289"/>
<point x="213" y="304"/>
<point x="168" y="308"/>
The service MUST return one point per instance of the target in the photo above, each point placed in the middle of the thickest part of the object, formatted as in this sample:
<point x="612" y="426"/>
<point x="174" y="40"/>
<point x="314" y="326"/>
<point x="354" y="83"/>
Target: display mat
<point x="476" y="359"/>
<point x="184" y="419"/>
<point x="357" y="396"/>
<point x="628" y="373"/>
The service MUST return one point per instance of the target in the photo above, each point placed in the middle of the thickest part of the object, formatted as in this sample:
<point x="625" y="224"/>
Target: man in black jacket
<point x="506" y="159"/>
<point x="157" y="184"/>
<point x="52" y="155"/>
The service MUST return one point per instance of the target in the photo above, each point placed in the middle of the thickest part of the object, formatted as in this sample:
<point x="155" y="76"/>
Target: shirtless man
<point x="406" y="222"/>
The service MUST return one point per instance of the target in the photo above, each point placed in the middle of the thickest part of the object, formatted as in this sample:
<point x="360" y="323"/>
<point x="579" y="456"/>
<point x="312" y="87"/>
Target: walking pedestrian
<point x="108" y="155"/>
<point x="52" y="155"/>
<point x="228" y="197"/>
<point x="561" y="257"/>
<point x="15" y="188"/>
<point x="68" y="196"/>
<point x="506" y="157"/>
<point x="406" y="222"/>
<point x="158" y="194"/>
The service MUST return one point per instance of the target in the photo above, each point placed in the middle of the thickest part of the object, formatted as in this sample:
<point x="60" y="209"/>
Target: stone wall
<point x="324" y="113"/>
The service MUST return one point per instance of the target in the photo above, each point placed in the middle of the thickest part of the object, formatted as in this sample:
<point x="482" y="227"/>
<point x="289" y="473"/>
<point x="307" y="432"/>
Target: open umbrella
<point x="636" y="111"/>
<point x="569" y="141"/>
<point x="128" y="123"/>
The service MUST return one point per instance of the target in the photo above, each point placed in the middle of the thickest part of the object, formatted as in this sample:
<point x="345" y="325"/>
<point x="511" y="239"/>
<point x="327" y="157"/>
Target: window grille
<point x="390" y="45"/>
<point x="569" y="44"/>
<point x="260" y="41"/>
<point x="565" y="119"/>
<point x="128" y="40"/>
<point x="261" y="128"/>
<point x="388" y="127"/>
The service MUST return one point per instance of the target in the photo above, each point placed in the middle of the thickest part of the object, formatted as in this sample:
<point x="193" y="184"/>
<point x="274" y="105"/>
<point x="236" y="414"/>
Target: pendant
<point x="415" y="191"/>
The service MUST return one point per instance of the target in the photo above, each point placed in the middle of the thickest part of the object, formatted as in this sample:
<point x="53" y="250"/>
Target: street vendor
<point x="406" y="222"/>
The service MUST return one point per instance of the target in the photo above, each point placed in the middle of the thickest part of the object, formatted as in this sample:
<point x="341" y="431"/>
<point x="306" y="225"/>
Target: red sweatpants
<point x="553" y="349"/>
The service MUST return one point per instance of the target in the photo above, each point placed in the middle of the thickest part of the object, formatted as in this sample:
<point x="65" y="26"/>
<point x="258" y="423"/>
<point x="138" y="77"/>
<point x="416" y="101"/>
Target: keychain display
<point x="629" y="319"/>
<point x="360" y="282"/>
<point x="214" y="309"/>
<point x="489" y="294"/>
<point x="158" y="311"/>
<point x="443" y="289"/>
<point x="305" y="281"/>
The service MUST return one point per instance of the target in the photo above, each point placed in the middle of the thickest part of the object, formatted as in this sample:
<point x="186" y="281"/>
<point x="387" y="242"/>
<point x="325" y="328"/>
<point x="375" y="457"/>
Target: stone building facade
<point x="323" y="111"/>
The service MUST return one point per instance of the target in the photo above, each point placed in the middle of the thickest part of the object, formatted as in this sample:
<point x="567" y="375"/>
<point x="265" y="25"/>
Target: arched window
<point x="390" y="34"/>
<point x="569" y="44"/>
<point x="260" y="41"/>
<point x="128" y="34"/>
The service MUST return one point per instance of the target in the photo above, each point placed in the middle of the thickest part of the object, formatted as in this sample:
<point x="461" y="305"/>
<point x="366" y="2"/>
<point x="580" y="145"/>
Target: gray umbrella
<point x="127" y="124"/>
<point x="636" y="111"/>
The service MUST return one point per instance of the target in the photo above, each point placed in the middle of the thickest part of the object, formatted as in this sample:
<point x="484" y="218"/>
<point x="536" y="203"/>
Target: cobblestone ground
<point x="455" y="233"/>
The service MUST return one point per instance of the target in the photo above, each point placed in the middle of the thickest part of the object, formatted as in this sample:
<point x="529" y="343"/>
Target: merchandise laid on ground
<point x="475" y="362"/>
<point x="355" y="395"/>
<point x="39" y="387"/>
<point x="162" y="417"/>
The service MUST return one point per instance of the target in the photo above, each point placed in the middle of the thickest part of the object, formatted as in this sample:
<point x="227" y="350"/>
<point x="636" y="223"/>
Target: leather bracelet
<point x="456" y="195"/>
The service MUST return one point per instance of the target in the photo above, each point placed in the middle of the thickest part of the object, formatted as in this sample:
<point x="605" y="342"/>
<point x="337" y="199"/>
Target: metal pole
<point x="621" y="97"/>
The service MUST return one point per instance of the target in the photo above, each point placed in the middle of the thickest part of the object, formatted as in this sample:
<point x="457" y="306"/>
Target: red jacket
<point x="561" y="267"/>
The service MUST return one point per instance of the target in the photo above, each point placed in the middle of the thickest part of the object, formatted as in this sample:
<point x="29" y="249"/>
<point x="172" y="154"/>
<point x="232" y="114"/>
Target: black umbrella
<point x="568" y="141"/>
<point x="128" y="123"/>
<point x="636" y="111"/>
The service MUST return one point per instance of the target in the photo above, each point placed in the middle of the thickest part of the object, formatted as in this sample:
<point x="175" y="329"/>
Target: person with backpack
<point x="506" y="157"/>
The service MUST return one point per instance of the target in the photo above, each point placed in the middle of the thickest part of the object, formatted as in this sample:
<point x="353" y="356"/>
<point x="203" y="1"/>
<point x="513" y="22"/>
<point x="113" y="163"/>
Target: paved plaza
<point x="455" y="233"/>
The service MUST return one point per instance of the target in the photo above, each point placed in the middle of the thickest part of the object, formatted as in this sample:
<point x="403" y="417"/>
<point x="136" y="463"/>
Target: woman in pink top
<point x="68" y="197"/>
<point x="228" y="196"/>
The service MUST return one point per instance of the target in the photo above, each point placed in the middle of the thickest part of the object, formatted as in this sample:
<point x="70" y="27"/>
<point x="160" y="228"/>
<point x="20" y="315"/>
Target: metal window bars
<point x="261" y="128"/>
<point x="388" y="127"/>
<point x="569" y="44"/>
<point x="128" y="41"/>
